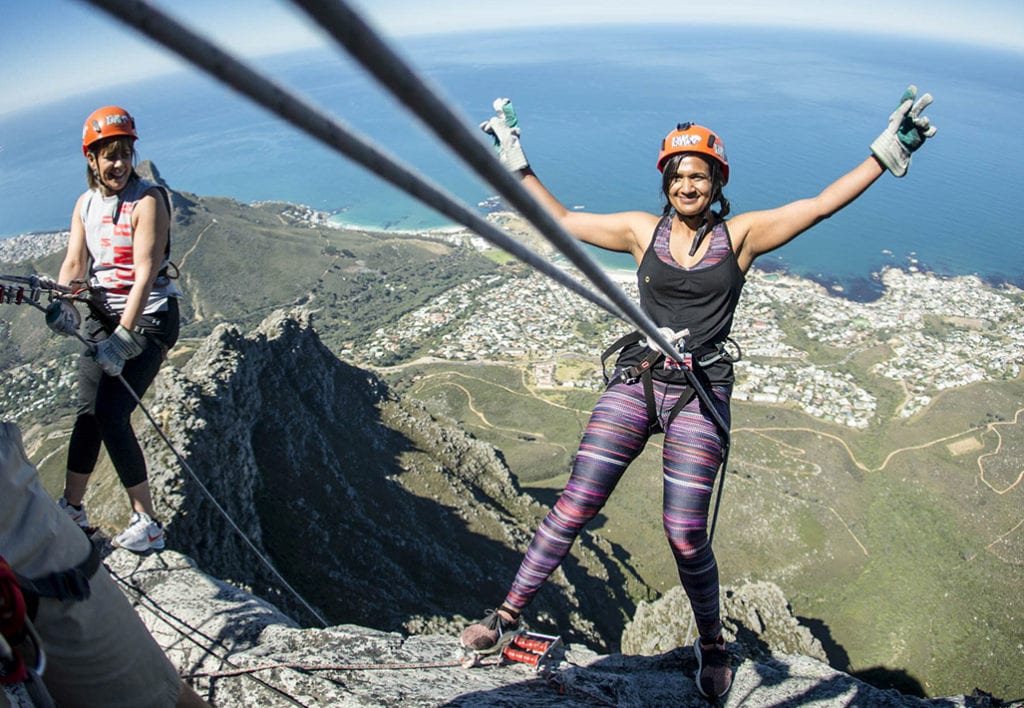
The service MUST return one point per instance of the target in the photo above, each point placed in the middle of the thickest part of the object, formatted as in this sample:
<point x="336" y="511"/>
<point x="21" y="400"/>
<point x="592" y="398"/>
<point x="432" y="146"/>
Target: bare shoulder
<point x="740" y="228"/>
<point x="624" y="231"/>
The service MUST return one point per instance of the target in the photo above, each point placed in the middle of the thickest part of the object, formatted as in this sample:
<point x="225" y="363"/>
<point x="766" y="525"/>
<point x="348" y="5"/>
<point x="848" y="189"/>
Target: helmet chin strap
<point x="702" y="231"/>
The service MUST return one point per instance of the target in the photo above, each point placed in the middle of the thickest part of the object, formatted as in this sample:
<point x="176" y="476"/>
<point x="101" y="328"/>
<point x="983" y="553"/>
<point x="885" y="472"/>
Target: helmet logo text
<point x="685" y="140"/>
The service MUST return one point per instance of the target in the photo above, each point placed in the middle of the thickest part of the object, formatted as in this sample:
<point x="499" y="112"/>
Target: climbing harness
<point x="702" y="357"/>
<point x="28" y="290"/>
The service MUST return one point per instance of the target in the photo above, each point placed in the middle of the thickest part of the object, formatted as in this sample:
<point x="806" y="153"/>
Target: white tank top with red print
<point x="109" y="235"/>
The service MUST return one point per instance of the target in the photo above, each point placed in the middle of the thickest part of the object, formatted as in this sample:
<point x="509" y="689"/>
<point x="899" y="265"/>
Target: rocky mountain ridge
<point x="395" y="526"/>
<point x="375" y="511"/>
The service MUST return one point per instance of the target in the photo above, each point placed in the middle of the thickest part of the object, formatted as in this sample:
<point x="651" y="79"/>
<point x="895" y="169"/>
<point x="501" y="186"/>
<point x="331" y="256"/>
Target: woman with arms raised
<point x="692" y="260"/>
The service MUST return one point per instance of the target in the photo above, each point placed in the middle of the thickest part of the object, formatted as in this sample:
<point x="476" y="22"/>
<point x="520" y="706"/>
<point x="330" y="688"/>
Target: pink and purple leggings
<point x="617" y="432"/>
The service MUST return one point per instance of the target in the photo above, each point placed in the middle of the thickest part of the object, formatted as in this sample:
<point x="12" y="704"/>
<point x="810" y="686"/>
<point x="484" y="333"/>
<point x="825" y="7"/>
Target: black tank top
<point x="702" y="299"/>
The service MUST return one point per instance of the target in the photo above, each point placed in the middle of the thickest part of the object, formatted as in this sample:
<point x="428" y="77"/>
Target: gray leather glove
<point x="504" y="128"/>
<point x="115" y="350"/>
<point x="907" y="131"/>
<point x="63" y="318"/>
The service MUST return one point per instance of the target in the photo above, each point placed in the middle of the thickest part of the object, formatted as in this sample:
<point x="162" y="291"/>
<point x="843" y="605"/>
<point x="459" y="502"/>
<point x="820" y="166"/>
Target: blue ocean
<point x="794" y="109"/>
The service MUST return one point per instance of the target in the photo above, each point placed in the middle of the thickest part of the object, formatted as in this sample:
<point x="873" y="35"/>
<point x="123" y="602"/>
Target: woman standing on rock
<point x="120" y="249"/>
<point x="692" y="263"/>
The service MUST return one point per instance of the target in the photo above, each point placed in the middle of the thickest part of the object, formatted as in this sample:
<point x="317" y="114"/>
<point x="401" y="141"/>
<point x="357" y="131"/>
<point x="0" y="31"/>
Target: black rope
<point x="213" y="500"/>
<point x="363" y="43"/>
<point x="377" y="57"/>
<point x="349" y="29"/>
<point x="161" y="614"/>
<point x="327" y="129"/>
<point x="33" y="300"/>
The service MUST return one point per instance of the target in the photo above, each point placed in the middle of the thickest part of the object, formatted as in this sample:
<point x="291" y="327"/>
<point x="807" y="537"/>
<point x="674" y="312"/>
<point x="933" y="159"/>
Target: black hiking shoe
<point x="714" y="670"/>
<point x="491" y="634"/>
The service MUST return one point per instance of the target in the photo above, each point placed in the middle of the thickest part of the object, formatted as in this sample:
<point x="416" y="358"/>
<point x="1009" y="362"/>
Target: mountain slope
<point x="375" y="511"/>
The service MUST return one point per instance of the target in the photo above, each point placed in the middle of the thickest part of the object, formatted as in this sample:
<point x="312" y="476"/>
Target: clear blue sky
<point x="51" y="48"/>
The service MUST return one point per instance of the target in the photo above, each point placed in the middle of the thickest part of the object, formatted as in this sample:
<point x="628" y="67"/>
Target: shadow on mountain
<point x="879" y="676"/>
<point x="834" y="651"/>
<point x="776" y="676"/>
<point x="375" y="512"/>
<point x="884" y="677"/>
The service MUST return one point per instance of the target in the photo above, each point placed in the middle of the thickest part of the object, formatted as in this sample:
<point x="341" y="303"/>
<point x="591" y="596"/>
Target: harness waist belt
<point x="71" y="584"/>
<point x="703" y="356"/>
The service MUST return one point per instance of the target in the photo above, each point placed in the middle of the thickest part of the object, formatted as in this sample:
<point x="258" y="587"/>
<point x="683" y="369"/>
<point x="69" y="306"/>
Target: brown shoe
<point x="490" y="634"/>
<point x="714" y="670"/>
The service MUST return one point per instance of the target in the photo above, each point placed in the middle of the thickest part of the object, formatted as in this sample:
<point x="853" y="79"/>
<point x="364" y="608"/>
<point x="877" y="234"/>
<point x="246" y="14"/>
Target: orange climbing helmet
<point x="107" y="122"/>
<point x="689" y="137"/>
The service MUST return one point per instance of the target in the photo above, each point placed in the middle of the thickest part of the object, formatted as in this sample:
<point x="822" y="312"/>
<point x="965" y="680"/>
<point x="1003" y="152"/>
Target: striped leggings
<point x="618" y="429"/>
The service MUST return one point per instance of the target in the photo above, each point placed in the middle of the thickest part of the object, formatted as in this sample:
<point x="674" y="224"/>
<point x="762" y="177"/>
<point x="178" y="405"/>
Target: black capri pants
<point x="105" y="406"/>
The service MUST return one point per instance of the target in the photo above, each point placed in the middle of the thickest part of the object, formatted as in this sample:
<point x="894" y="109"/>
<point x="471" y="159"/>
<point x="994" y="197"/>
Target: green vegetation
<point x="887" y="537"/>
<point x="904" y="540"/>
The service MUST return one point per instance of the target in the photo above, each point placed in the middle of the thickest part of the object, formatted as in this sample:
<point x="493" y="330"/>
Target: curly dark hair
<point x="668" y="173"/>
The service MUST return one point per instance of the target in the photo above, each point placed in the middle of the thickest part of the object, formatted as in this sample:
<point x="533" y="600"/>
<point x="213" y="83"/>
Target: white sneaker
<point x="77" y="515"/>
<point x="141" y="535"/>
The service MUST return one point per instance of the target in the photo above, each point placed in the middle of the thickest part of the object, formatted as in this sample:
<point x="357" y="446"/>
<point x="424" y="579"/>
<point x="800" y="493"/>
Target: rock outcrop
<point x="756" y="614"/>
<point x="238" y="650"/>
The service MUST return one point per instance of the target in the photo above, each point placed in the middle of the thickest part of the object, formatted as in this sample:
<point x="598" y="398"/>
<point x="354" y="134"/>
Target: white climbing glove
<point x="907" y="131"/>
<point x="674" y="338"/>
<point x="504" y="128"/>
<point x="63" y="318"/>
<point x="115" y="350"/>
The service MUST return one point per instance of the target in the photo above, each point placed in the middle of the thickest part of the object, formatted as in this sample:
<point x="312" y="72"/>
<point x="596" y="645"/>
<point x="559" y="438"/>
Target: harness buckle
<point x="720" y="352"/>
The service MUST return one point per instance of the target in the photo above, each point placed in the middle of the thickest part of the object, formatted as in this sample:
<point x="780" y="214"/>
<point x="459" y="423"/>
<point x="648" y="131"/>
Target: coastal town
<point x="937" y="334"/>
<point x="932" y="333"/>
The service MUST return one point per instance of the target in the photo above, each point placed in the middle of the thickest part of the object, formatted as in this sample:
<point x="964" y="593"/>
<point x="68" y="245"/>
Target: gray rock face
<point x="756" y="614"/>
<point x="238" y="650"/>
